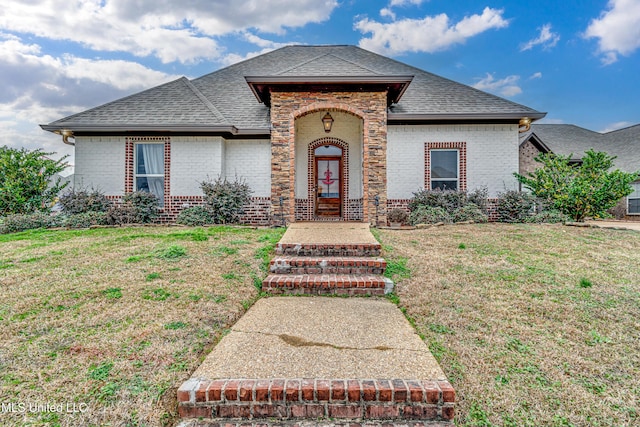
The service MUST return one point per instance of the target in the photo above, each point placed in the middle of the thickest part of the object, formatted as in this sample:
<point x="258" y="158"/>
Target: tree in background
<point x="580" y="191"/>
<point x="27" y="182"/>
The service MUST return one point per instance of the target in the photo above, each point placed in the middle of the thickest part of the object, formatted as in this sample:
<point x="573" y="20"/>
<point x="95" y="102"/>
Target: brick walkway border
<point x="317" y="398"/>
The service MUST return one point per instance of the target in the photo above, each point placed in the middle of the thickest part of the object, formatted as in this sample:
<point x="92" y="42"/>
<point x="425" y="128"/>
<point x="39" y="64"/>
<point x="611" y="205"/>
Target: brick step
<point x="327" y="265"/>
<point x="327" y="284"/>
<point x="227" y="422"/>
<point x="314" y="250"/>
<point x="318" y="399"/>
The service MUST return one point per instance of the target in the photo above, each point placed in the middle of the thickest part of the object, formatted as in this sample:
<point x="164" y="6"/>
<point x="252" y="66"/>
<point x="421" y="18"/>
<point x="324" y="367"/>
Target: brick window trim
<point x="462" y="161"/>
<point x="129" y="175"/>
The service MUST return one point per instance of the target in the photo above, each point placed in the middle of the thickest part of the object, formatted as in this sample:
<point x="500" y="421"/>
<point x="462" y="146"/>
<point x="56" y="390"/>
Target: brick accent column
<point x="370" y="107"/>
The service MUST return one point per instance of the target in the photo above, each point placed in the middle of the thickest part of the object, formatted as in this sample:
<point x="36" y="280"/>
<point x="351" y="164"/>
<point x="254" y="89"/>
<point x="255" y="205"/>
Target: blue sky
<point x="577" y="60"/>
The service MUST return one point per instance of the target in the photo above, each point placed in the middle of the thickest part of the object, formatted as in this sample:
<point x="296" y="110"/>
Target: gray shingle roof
<point x="223" y="98"/>
<point x="573" y="140"/>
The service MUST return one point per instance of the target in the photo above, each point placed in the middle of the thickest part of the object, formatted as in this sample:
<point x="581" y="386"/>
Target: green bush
<point x="121" y="215"/>
<point x="479" y="197"/>
<point x="470" y="212"/>
<point x="77" y="201"/>
<point x="28" y="180"/>
<point x="550" y="216"/>
<point x="20" y="222"/>
<point x="225" y="199"/>
<point x="398" y="215"/>
<point x="144" y="204"/>
<point x="449" y="200"/>
<point x="85" y="219"/>
<point x="429" y="215"/>
<point x="195" y="215"/>
<point x="583" y="191"/>
<point x="515" y="206"/>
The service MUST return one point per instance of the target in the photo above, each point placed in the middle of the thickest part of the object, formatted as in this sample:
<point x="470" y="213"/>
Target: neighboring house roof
<point x="223" y="100"/>
<point x="564" y="139"/>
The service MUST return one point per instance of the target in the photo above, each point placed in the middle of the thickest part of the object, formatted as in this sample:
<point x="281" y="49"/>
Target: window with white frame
<point x="149" y="169"/>
<point x="444" y="169"/>
<point x="633" y="200"/>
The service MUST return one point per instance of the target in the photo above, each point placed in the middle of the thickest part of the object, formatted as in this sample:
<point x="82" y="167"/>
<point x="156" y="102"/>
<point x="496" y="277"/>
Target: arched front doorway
<point x="329" y="178"/>
<point x="328" y="181"/>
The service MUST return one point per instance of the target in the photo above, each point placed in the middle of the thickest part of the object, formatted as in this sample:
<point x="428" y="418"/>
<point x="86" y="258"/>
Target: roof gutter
<point x="85" y="128"/>
<point x="398" y="117"/>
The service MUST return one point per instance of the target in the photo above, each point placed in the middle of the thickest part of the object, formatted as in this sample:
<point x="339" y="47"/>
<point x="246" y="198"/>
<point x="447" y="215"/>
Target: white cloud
<point x="171" y="31"/>
<point x="405" y="2"/>
<point x="387" y="13"/>
<point x="505" y="87"/>
<point x="430" y="34"/>
<point x="616" y="126"/>
<point x="617" y="30"/>
<point x="546" y="38"/>
<point x="266" y="45"/>
<point x="550" y="121"/>
<point x="43" y="88"/>
<point x="537" y="75"/>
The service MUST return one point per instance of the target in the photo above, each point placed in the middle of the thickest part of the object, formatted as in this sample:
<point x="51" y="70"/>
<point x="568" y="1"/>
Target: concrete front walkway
<point x="320" y="337"/>
<point x="616" y="225"/>
<point x="296" y="358"/>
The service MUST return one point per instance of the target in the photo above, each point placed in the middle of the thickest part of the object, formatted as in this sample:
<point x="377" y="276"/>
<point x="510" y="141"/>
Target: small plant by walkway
<point x="112" y="321"/>
<point x="533" y="325"/>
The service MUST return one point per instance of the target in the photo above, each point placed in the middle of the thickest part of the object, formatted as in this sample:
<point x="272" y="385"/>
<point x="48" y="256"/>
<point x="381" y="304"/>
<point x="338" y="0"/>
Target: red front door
<point x="328" y="178"/>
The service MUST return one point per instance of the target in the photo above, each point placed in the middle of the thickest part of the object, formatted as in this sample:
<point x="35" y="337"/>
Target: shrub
<point x="449" y="200"/>
<point x="195" y="215"/>
<point x="550" y="216"/>
<point x="84" y="200"/>
<point x="470" y="212"/>
<point x="479" y="198"/>
<point x="398" y="215"/>
<point x="144" y="205"/>
<point x="21" y="222"/>
<point x="619" y="211"/>
<point x="29" y="181"/>
<point x="85" y="219"/>
<point x="121" y="214"/>
<point x="429" y="215"/>
<point x="515" y="206"/>
<point x="225" y="199"/>
<point x="583" y="191"/>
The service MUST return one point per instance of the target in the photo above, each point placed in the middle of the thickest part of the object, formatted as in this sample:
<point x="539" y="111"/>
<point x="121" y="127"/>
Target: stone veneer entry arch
<point x="287" y="107"/>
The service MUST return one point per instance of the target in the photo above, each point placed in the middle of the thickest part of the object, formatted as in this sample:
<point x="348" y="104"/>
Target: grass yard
<point x="534" y="325"/>
<point x="109" y="322"/>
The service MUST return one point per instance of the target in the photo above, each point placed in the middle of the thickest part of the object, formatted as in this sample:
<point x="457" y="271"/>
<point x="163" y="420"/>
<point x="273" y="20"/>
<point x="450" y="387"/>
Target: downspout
<point x="66" y="134"/>
<point x="524" y="124"/>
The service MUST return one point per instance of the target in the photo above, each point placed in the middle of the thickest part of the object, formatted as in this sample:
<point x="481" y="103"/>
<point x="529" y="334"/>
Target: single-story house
<point x="318" y="133"/>
<point x="574" y="141"/>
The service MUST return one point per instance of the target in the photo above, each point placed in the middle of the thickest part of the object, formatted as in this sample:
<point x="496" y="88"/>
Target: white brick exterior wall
<point x="251" y="160"/>
<point x="492" y="156"/>
<point x="100" y="163"/>
<point x="193" y="159"/>
<point x="345" y="127"/>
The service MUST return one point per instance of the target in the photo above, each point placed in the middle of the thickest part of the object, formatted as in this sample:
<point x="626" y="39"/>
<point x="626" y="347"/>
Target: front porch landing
<point x="334" y="233"/>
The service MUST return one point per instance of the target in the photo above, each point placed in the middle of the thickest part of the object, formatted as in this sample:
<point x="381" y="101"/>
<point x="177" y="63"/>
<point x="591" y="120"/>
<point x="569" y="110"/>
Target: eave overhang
<point x="88" y="129"/>
<point x="399" y="118"/>
<point x="262" y="86"/>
